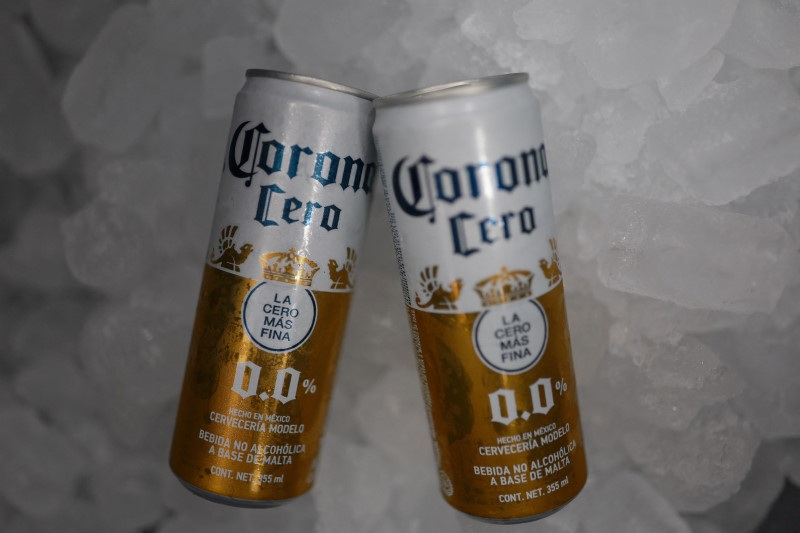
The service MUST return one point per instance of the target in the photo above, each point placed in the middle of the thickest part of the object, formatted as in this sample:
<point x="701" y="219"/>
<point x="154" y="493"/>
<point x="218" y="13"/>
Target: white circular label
<point x="512" y="337"/>
<point x="278" y="317"/>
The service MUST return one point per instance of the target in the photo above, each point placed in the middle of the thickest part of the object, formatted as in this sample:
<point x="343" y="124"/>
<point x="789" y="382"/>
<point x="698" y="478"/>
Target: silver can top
<point x="452" y="89"/>
<point x="299" y="78"/>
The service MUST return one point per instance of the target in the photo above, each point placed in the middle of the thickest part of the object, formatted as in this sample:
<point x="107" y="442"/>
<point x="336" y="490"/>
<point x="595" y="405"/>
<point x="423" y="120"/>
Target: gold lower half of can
<point x="250" y="422"/>
<point x="509" y="446"/>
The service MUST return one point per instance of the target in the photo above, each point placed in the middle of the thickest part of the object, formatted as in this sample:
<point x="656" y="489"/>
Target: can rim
<point x="309" y="80"/>
<point x="452" y="89"/>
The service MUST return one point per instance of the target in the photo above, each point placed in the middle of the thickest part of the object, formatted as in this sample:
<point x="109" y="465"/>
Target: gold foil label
<point x="509" y="444"/>
<point x="250" y="420"/>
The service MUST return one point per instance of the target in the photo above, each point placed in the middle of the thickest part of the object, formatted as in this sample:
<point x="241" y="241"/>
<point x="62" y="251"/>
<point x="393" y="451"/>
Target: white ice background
<point x="673" y="136"/>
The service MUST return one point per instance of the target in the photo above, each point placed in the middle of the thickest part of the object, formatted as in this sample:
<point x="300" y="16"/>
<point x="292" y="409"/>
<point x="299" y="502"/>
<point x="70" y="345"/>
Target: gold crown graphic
<point x="288" y="267"/>
<point x="505" y="286"/>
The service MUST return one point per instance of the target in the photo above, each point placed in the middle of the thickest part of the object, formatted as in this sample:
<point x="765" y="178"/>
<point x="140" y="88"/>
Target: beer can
<point x="288" y="227"/>
<point x="467" y="188"/>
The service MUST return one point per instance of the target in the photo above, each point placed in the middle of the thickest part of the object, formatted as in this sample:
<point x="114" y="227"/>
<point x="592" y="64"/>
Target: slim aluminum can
<point x="287" y="234"/>
<point x="467" y="188"/>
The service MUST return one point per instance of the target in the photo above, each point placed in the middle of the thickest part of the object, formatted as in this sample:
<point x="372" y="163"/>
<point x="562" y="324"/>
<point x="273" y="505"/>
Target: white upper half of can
<point x="297" y="178"/>
<point x="467" y="187"/>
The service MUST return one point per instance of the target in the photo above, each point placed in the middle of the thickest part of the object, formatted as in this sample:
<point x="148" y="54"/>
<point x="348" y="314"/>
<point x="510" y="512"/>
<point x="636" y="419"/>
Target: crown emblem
<point x="505" y="286"/>
<point x="288" y="267"/>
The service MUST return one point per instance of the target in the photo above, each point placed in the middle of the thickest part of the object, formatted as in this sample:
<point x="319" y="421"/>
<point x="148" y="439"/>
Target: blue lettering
<point x="454" y="190"/>
<point x="290" y="206"/>
<point x="332" y="168"/>
<point x="277" y="159"/>
<point x="236" y="164"/>
<point x="264" y="199"/>
<point x="309" y="210"/>
<point x="330" y="211"/>
<point x="459" y="238"/>
<point x="498" y="168"/>
<point x="485" y="231"/>
<point x="409" y="205"/>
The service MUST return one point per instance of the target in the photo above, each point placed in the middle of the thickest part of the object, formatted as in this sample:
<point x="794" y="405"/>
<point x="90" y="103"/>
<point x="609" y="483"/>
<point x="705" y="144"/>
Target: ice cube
<point x="569" y="152"/>
<point x="57" y="388"/>
<point x="618" y="123"/>
<point x="225" y="60"/>
<point x="49" y="329"/>
<point x="128" y="494"/>
<point x="35" y="258"/>
<point x="319" y="40"/>
<point x="661" y="320"/>
<point x="682" y="88"/>
<point x="488" y="27"/>
<point x="764" y="34"/>
<point x="623" y="43"/>
<point x="588" y="323"/>
<point x="137" y="353"/>
<point x="701" y="466"/>
<point x="666" y="383"/>
<point x="391" y="416"/>
<point x="696" y="257"/>
<point x="629" y="503"/>
<point x="70" y="26"/>
<point x="555" y="22"/>
<point x="766" y="358"/>
<point x="778" y="201"/>
<point x="40" y="468"/>
<point x="456" y="58"/>
<point x="735" y="137"/>
<point x="109" y="245"/>
<point x="747" y="508"/>
<point x="353" y="487"/>
<point x="35" y="138"/>
<point x="202" y="22"/>
<point x="114" y="92"/>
